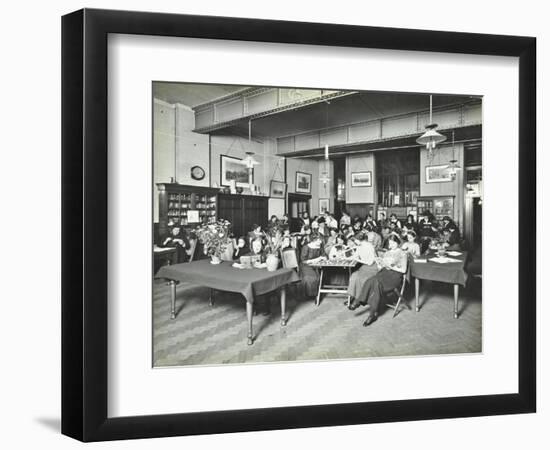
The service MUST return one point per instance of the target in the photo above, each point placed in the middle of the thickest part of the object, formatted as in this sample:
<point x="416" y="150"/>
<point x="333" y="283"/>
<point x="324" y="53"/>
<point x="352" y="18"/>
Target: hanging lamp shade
<point x="431" y="137"/>
<point x="249" y="160"/>
<point x="325" y="177"/>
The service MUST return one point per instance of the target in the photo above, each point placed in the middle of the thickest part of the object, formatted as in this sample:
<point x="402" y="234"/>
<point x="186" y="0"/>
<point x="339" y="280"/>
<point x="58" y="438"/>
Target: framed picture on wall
<point x="232" y="168"/>
<point x="277" y="189"/>
<point x="438" y="174"/>
<point x="324" y="205"/>
<point x="361" y="179"/>
<point x="303" y="183"/>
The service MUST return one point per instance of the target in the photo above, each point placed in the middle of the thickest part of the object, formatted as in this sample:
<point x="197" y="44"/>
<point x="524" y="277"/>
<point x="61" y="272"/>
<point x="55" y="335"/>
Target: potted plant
<point x="215" y="239"/>
<point x="274" y="244"/>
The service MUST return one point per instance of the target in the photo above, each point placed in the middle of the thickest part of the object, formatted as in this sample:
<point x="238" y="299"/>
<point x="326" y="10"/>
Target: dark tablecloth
<point x="224" y="277"/>
<point x="453" y="273"/>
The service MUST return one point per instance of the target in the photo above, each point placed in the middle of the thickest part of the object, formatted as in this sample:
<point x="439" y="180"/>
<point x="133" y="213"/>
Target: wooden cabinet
<point x="243" y="211"/>
<point x="438" y="206"/>
<point x="187" y="206"/>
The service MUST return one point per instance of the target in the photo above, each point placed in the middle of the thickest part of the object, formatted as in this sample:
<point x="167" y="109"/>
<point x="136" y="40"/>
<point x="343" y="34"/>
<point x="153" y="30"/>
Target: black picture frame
<point x="300" y="190"/>
<point x="84" y="224"/>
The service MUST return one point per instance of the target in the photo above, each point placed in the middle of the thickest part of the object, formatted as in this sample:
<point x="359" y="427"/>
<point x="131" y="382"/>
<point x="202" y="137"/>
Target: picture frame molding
<point x="84" y="242"/>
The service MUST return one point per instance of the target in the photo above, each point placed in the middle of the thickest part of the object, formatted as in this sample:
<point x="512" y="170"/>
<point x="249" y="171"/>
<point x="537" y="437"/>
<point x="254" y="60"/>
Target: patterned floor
<point x="204" y="334"/>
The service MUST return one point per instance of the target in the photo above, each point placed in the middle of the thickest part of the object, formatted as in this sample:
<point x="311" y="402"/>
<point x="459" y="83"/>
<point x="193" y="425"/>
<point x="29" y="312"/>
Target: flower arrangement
<point x="274" y="244"/>
<point x="214" y="237"/>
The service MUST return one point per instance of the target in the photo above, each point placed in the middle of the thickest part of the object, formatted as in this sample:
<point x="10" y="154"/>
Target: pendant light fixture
<point x="249" y="160"/>
<point x="325" y="175"/>
<point x="454" y="167"/>
<point x="431" y="137"/>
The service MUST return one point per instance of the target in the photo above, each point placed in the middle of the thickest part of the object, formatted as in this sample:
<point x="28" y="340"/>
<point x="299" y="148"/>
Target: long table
<point x="450" y="272"/>
<point x="223" y="277"/>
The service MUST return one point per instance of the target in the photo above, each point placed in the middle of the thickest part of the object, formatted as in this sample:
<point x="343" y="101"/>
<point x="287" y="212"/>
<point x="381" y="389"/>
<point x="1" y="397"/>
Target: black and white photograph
<point x="234" y="170"/>
<point x="303" y="182"/>
<point x="363" y="251"/>
<point x="361" y="179"/>
<point x="277" y="189"/>
<point x="438" y="174"/>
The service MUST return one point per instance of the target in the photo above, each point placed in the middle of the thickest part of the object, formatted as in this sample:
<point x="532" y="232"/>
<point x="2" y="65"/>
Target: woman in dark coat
<point x="178" y="240"/>
<point x="310" y="275"/>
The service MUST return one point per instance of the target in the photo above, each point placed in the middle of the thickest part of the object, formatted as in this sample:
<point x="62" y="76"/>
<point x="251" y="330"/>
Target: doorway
<point x="297" y="205"/>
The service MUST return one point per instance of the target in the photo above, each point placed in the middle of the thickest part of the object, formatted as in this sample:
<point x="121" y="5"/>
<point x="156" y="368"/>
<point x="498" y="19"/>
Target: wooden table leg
<point x="416" y="290"/>
<point x="456" y="286"/>
<point x="249" y="309"/>
<point x="349" y="276"/>
<point x="283" y="306"/>
<point x="320" y="287"/>
<point x="173" y="299"/>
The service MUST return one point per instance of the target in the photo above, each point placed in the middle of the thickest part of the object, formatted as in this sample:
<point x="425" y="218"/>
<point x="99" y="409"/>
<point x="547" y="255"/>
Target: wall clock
<point x="197" y="173"/>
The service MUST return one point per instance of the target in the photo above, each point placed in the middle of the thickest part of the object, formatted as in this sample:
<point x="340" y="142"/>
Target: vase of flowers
<point x="274" y="244"/>
<point x="215" y="239"/>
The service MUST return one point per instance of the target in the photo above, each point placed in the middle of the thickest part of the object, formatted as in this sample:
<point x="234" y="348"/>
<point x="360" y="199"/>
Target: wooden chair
<point x="289" y="258"/>
<point x="400" y="292"/>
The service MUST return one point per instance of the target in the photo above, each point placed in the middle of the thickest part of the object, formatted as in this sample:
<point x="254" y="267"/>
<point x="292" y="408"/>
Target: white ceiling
<point x="367" y="105"/>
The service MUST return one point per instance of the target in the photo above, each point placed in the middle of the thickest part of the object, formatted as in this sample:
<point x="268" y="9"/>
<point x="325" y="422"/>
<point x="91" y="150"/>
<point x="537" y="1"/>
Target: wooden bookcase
<point x="187" y="205"/>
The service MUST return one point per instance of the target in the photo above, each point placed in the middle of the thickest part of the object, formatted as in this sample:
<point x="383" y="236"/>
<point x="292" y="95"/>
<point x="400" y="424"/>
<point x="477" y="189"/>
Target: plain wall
<point x="164" y="147"/>
<point x="363" y="163"/>
<point x="454" y="188"/>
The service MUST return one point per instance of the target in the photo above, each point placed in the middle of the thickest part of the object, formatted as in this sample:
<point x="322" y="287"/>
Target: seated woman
<point x="305" y="235"/>
<point x="370" y="222"/>
<point x="331" y="241"/>
<point x="339" y="250"/>
<point x="392" y="267"/>
<point x="310" y="275"/>
<point x="395" y="221"/>
<point x="176" y="239"/>
<point x="255" y="233"/>
<point x="411" y="223"/>
<point x="451" y="240"/>
<point x="240" y="248"/>
<point x="411" y="246"/>
<point x="374" y="238"/>
<point x="365" y="255"/>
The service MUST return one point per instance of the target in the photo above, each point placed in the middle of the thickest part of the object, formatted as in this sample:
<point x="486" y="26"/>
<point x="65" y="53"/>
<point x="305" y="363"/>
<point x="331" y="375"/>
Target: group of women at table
<point x="380" y="249"/>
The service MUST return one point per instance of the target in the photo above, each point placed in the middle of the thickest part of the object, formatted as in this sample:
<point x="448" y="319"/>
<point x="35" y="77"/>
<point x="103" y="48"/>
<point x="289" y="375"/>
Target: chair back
<point x="192" y="249"/>
<point x="289" y="257"/>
